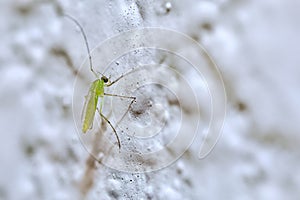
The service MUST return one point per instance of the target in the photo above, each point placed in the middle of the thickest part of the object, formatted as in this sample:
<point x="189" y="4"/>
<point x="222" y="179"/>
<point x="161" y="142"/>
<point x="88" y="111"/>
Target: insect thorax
<point x="98" y="87"/>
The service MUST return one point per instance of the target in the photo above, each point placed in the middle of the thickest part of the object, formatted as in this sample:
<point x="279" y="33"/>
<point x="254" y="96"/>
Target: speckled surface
<point x="254" y="44"/>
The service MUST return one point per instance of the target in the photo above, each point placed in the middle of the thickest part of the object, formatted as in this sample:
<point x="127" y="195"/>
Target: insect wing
<point x="89" y="109"/>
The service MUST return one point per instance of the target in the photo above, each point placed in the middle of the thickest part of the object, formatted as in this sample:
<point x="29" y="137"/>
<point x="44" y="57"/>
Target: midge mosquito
<point x="96" y="90"/>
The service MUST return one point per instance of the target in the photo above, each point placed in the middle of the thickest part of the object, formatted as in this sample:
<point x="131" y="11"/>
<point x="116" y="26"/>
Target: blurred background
<point x="255" y="45"/>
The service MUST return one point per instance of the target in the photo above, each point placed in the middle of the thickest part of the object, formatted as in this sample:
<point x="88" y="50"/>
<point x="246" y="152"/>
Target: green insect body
<point x="91" y="101"/>
<point x="97" y="90"/>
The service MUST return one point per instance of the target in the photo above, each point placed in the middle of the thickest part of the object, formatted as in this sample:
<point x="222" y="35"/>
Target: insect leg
<point x="121" y="96"/>
<point x="133" y="99"/>
<point x="101" y="104"/>
<point x="123" y="75"/>
<point x="119" y="143"/>
<point x="113" y="82"/>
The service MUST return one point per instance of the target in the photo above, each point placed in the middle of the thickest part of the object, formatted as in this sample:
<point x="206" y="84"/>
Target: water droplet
<point x="168" y="6"/>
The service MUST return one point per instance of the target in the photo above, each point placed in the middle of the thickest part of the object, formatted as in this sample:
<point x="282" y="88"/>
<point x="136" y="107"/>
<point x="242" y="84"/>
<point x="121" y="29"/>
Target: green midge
<point x="91" y="100"/>
<point x="96" y="90"/>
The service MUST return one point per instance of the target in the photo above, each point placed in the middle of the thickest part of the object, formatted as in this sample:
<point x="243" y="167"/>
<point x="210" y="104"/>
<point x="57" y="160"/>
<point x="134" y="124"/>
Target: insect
<point x="96" y="91"/>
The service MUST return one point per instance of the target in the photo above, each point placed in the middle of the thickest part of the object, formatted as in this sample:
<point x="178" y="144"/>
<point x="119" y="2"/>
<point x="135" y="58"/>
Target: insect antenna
<point x="86" y="43"/>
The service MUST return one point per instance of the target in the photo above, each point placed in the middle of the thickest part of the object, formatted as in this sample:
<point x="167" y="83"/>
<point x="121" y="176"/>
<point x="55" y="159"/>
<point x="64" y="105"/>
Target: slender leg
<point x="133" y="100"/>
<point x="101" y="104"/>
<point x="119" y="143"/>
<point x="121" y="96"/>
<point x="113" y="82"/>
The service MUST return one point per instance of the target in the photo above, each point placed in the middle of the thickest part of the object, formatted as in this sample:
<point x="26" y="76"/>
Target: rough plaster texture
<point x="254" y="43"/>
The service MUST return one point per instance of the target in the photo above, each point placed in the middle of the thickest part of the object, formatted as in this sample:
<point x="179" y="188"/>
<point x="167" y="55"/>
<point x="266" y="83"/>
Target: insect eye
<point x="104" y="78"/>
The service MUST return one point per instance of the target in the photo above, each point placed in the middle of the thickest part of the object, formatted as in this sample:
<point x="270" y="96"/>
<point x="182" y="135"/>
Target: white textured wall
<point x="254" y="43"/>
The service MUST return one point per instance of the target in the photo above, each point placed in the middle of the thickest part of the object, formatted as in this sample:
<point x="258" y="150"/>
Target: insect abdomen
<point x="89" y="112"/>
<point x="96" y="90"/>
